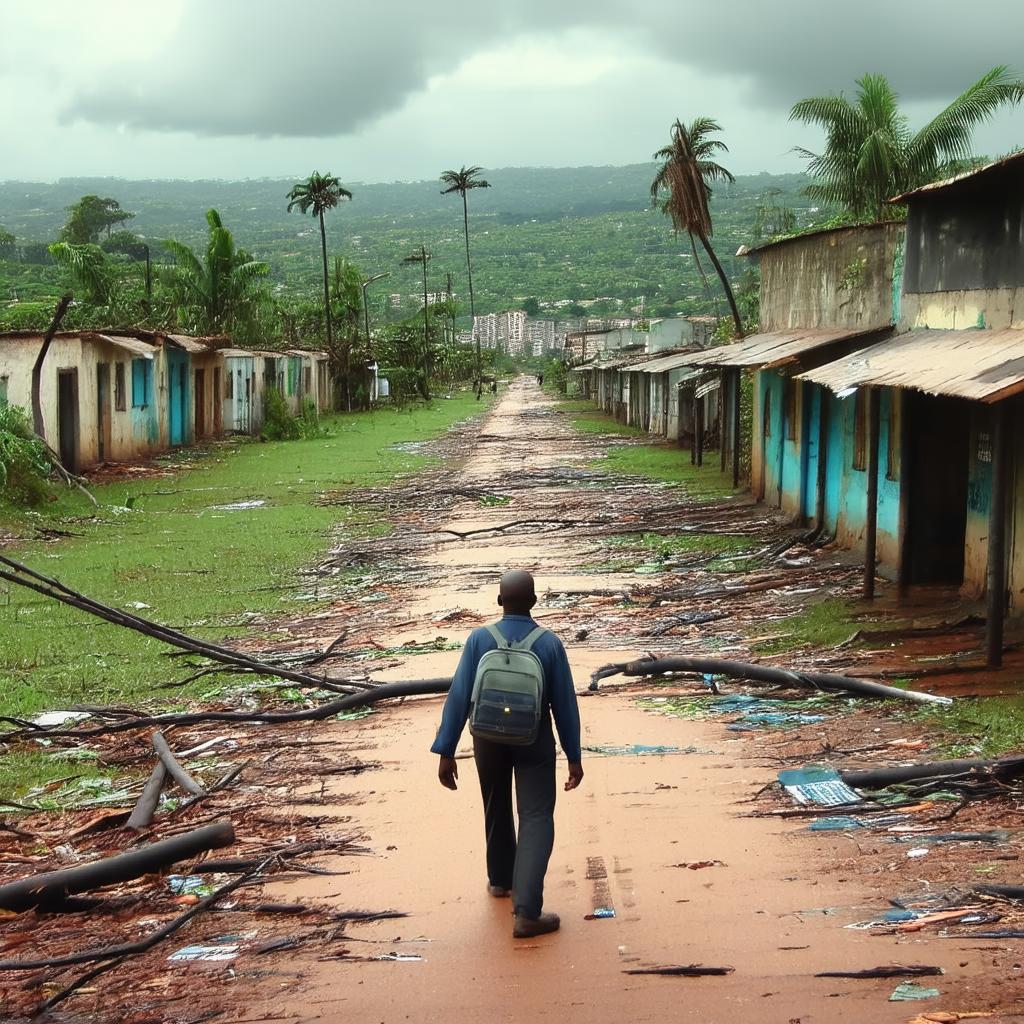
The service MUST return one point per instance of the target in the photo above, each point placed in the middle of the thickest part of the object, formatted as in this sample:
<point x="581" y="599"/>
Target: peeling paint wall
<point x="841" y="278"/>
<point x="134" y="432"/>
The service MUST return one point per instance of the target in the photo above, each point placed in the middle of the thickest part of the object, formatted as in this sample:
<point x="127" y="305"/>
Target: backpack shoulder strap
<point x="526" y="644"/>
<point x="499" y="639"/>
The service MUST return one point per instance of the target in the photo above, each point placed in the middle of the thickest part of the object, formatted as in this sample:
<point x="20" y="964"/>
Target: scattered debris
<point x="818" y="785"/>
<point x="909" y="991"/>
<point x="690" y="971"/>
<point x="886" y="971"/>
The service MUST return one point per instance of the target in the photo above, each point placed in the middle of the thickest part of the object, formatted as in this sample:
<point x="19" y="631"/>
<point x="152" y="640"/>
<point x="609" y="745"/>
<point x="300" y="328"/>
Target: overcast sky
<point x="402" y="89"/>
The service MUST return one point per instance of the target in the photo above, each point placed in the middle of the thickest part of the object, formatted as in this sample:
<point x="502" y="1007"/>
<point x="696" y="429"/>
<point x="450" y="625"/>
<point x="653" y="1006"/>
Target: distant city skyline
<point x="394" y="91"/>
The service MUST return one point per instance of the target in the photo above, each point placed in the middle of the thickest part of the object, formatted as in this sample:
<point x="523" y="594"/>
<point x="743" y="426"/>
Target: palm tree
<point x="221" y="292"/>
<point x="870" y="152"/>
<point x="461" y="181"/>
<point x="318" y="193"/>
<point x="687" y="165"/>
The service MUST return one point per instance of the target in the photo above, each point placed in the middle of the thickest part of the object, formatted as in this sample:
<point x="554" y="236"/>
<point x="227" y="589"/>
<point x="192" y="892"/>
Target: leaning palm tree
<point x="317" y="194"/>
<point x="870" y="152"/>
<point x="462" y="181"/>
<point x="681" y="188"/>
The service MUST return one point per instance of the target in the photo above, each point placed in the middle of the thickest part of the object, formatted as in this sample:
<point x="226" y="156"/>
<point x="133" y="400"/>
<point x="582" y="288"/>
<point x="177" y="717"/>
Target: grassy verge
<point x="655" y="460"/>
<point x="161" y="544"/>
<point x="821" y="624"/>
<point x="986" y="727"/>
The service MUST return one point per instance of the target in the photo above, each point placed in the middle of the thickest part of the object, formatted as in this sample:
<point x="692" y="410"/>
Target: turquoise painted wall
<point x="851" y="516"/>
<point x="771" y="392"/>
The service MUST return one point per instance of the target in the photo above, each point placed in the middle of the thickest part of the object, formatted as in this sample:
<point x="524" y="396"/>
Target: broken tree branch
<point x="25" y="576"/>
<point x="49" y="891"/>
<point x="174" y="769"/>
<point x="145" y="807"/>
<point x="762" y="673"/>
<point x="116" y="955"/>
<point x="363" y="698"/>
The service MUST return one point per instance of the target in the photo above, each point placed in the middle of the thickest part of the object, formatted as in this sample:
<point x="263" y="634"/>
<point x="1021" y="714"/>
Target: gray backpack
<point x="508" y="691"/>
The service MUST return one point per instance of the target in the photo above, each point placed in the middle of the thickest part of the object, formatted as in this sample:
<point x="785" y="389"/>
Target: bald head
<point x="516" y="593"/>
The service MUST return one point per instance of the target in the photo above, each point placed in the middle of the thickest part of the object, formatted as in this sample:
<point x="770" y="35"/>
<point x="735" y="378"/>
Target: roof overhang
<point x="193" y="346"/>
<point x="777" y="348"/>
<point x="980" y="365"/>
<point x="662" y="363"/>
<point x="139" y="349"/>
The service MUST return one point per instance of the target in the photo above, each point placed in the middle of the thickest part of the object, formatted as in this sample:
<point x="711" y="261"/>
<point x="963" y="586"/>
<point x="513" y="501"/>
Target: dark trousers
<point x="519" y="863"/>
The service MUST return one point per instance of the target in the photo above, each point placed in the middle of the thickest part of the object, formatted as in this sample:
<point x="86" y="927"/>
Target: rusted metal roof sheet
<point x="662" y="363"/>
<point x="133" y="345"/>
<point x="774" y="349"/>
<point x="977" y="364"/>
<point x="940" y="186"/>
<point x="188" y="344"/>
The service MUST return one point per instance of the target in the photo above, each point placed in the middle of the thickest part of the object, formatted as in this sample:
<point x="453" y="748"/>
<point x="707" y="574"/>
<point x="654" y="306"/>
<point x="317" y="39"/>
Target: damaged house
<point x="938" y="407"/>
<point x="114" y="396"/>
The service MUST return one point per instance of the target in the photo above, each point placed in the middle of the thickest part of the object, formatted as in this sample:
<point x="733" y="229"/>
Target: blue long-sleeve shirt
<point x="561" y="693"/>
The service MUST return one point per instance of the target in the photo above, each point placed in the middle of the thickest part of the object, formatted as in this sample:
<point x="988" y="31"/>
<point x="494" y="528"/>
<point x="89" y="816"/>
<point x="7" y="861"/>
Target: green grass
<point x="823" y="624"/>
<point x="656" y="460"/>
<point x="160" y="542"/>
<point x="985" y="727"/>
<point x="670" y="464"/>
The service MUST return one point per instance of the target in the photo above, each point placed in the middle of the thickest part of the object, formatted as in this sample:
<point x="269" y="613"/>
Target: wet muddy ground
<point x="677" y="827"/>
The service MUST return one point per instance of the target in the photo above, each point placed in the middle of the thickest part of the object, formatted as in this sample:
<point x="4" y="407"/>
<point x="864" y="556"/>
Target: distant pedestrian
<point x="512" y="677"/>
<point x="540" y="380"/>
<point x="494" y="387"/>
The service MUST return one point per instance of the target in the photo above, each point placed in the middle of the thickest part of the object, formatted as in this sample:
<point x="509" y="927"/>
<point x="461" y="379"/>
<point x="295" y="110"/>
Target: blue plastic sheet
<point x="816" y="784"/>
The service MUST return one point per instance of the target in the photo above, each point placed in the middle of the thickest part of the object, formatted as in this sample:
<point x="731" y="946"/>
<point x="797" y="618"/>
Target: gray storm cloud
<point x="323" y="68"/>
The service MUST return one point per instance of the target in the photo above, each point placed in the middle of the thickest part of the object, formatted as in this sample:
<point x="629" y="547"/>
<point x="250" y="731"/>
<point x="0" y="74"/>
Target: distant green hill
<point x="577" y="233"/>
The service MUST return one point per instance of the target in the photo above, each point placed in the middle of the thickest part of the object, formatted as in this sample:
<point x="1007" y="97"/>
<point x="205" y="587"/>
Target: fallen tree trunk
<point x="174" y="769"/>
<point x="879" y="778"/>
<point x="364" y="698"/>
<point x="765" y="674"/>
<point x="49" y="890"/>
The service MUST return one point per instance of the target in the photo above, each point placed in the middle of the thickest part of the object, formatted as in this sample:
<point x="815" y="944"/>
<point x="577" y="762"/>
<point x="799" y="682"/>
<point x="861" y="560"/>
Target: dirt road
<point x="772" y="904"/>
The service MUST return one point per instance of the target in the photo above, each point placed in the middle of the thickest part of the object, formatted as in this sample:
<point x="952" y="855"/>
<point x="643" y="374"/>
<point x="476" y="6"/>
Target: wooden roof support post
<point x="737" y="390"/>
<point x="996" y="575"/>
<point x="871" y="524"/>
<point x="723" y="404"/>
<point x="698" y="440"/>
<point x="822" y="467"/>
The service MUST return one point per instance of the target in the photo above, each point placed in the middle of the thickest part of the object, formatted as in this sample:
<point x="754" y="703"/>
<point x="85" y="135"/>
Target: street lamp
<point x="421" y="256"/>
<point x="366" y="307"/>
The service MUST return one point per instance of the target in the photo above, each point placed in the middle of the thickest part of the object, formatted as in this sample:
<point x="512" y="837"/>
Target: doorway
<point x="200" y="403"/>
<point x="103" y="411"/>
<point x="218" y="412"/>
<point x="936" y="476"/>
<point x="67" y="419"/>
<point x="177" y="397"/>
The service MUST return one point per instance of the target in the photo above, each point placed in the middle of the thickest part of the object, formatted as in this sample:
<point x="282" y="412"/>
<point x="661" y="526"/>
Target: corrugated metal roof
<point x="978" y="364"/>
<point x="663" y="363"/>
<point x="188" y="344"/>
<point x="776" y="348"/>
<point x="939" y="186"/>
<point x="133" y="345"/>
<point x="758" y="247"/>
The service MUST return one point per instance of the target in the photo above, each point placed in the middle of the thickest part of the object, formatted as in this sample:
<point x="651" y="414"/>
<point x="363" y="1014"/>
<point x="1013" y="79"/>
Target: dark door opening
<point x="103" y="410"/>
<point x="67" y="419"/>
<point x="218" y="413"/>
<point x="200" y="402"/>
<point x="936" y="473"/>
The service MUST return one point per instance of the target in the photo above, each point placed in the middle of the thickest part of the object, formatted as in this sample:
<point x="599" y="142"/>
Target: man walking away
<point x="495" y="690"/>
